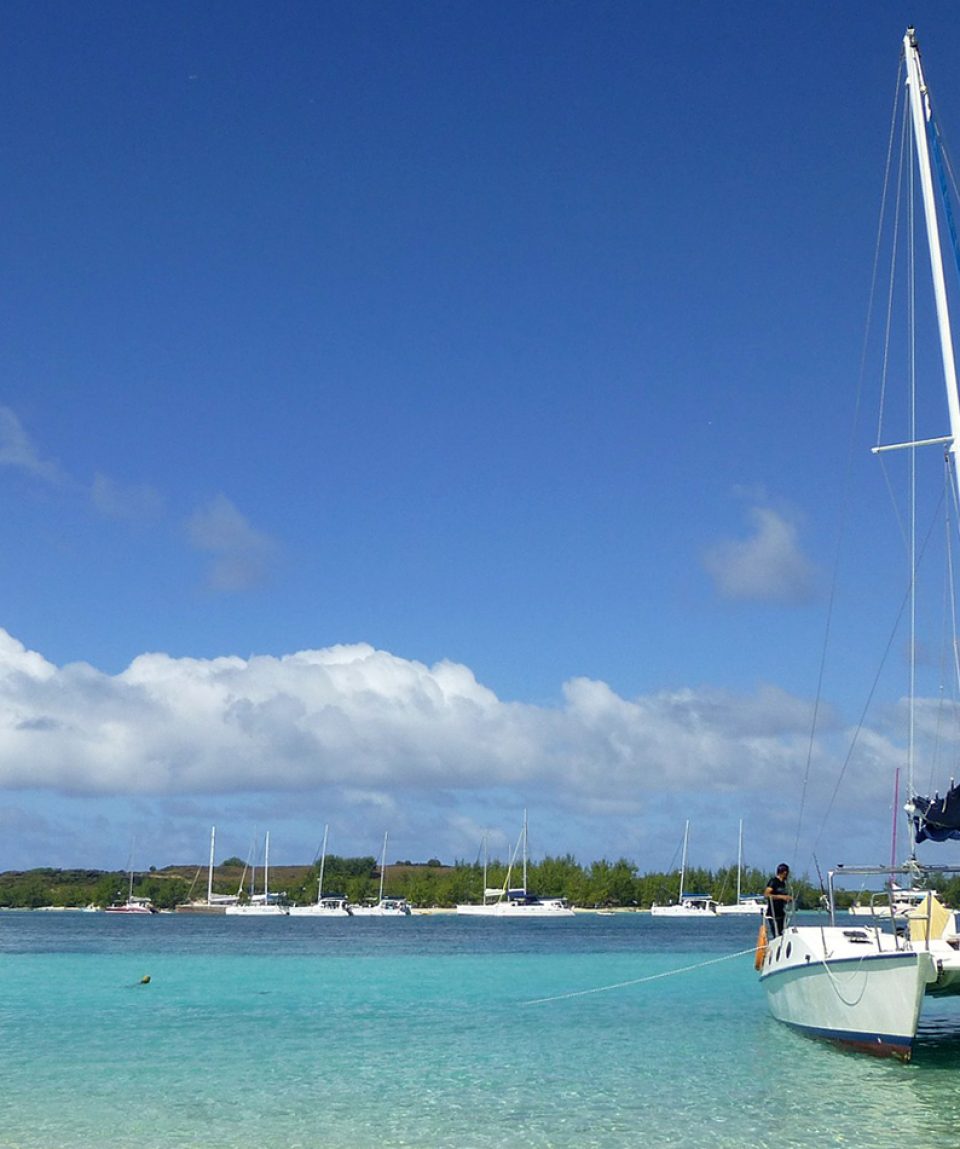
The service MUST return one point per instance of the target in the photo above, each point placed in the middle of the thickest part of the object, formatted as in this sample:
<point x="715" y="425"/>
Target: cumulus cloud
<point x="372" y="724"/>
<point x="241" y="554"/>
<point x="766" y="566"/>
<point x="18" y="450"/>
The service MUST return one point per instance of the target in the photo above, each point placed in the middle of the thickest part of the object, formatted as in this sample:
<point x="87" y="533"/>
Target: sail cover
<point x="936" y="818"/>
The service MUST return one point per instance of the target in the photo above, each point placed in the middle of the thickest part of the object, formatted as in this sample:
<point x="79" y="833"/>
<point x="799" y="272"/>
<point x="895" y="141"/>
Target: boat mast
<point x="524" y="851"/>
<point x="513" y="857"/>
<point x="739" y="859"/>
<point x="266" y="868"/>
<point x="683" y="857"/>
<point x="383" y="863"/>
<point x="323" y="858"/>
<point x="253" y="869"/>
<point x="920" y="112"/>
<point x="213" y="837"/>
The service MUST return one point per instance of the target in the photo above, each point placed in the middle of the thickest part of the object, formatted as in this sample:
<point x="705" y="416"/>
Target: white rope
<point x="638" y="980"/>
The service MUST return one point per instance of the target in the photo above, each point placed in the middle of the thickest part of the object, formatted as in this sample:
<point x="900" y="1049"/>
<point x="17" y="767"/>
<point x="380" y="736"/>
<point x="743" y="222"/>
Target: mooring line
<point x="638" y="980"/>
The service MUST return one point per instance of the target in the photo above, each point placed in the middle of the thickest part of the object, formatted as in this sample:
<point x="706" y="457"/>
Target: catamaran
<point x="863" y="986"/>
<point x="384" y="907"/>
<point x="515" y="902"/>
<point x="687" y="905"/>
<point x="326" y="905"/>
<point x="260" y="905"/>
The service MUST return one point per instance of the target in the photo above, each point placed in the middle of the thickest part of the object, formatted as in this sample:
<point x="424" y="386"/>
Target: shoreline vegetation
<point x="426" y="885"/>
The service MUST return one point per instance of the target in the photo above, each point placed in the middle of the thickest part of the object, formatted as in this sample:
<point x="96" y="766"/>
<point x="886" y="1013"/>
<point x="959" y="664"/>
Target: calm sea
<point x="423" y="1032"/>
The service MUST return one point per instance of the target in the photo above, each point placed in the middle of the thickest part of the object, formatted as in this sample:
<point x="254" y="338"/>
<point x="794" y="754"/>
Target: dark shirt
<point x="776" y="909"/>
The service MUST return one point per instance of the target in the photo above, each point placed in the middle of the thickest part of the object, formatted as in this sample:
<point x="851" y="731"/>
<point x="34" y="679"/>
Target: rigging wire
<point x="868" y="702"/>
<point x="902" y="226"/>
<point x="947" y="700"/>
<point x="845" y="502"/>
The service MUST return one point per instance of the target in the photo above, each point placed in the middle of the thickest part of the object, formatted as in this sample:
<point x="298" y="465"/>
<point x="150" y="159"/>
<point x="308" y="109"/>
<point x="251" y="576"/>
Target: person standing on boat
<point x="777" y="898"/>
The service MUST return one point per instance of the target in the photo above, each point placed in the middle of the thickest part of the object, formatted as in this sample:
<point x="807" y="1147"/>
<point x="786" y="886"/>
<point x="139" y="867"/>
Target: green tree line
<point x="599" y="884"/>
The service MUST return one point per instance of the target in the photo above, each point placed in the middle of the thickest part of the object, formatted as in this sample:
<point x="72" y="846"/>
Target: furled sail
<point x="936" y="818"/>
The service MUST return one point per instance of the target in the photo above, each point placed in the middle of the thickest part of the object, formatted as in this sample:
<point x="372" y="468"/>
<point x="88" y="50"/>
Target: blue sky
<point x="415" y="412"/>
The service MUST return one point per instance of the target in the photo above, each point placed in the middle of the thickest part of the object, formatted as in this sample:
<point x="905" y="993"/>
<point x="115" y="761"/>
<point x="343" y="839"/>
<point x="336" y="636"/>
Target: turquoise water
<point x="420" y="1032"/>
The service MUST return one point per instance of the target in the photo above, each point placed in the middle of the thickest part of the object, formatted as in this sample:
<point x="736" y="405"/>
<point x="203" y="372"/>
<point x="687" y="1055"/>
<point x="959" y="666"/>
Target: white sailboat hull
<point x="744" y="909"/>
<point x="316" y="911"/>
<point x="549" y="908"/>
<point x="381" y="911"/>
<point x="689" y="906"/>
<point x="681" y="912"/>
<point x="857" y="987"/>
<point x="257" y="911"/>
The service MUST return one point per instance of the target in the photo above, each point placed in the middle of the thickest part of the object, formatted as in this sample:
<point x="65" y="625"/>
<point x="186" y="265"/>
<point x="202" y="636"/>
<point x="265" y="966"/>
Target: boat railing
<point x="878" y="900"/>
<point x="924" y="923"/>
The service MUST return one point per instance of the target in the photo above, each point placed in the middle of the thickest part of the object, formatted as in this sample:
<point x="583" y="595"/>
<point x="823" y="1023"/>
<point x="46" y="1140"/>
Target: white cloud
<point x="372" y="725"/>
<point x="18" y="450"/>
<point x="370" y="741"/>
<point x="767" y="566"/>
<point x="242" y="555"/>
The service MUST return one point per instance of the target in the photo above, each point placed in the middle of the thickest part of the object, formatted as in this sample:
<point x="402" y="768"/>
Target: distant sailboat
<point x="687" y="905"/>
<point x="260" y="905"/>
<point x="214" y="903"/>
<point x="132" y="905"/>
<point x="748" y="905"/>
<point x="515" y="902"/>
<point x="386" y="907"/>
<point x="329" y="906"/>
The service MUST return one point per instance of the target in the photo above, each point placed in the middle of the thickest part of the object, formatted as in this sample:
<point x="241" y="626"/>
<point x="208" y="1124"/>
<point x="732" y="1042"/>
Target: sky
<point x="413" y="413"/>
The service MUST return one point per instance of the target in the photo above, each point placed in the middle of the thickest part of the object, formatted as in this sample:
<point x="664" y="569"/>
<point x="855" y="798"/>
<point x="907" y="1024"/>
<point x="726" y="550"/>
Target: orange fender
<point x="761" y="947"/>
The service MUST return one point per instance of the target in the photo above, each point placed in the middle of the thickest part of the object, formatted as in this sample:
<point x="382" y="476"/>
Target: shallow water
<point x="423" y="1032"/>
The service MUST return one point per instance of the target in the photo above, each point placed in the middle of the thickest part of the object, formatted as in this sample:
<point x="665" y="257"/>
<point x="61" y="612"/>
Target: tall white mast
<point x="683" y="857"/>
<point x="383" y="863"/>
<point x="920" y="113"/>
<point x="213" y="837"/>
<point x="266" y="869"/>
<point x="524" y="851"/>
<point x="739" y="859"/>
<point x="323" y="859"/>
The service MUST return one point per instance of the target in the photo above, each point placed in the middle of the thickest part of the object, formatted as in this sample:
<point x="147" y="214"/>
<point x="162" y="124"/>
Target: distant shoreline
<point x="424" y="911"/>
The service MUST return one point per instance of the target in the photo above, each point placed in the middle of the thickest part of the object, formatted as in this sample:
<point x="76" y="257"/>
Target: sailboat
<point x="385" y="907"/>
<point x="746" y="904"/>
<point x="516" y="902"/>
<point x="213" y="903"/>
<point x="260" y="905"/>
<point x="687" y="905"/>
<point x="864" y="986"/>
<point x="132" y="905"/>
<point x="326" y="906"/>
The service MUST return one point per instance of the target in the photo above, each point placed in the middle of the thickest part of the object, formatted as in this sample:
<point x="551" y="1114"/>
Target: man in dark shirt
<point x="777" y="898"/>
